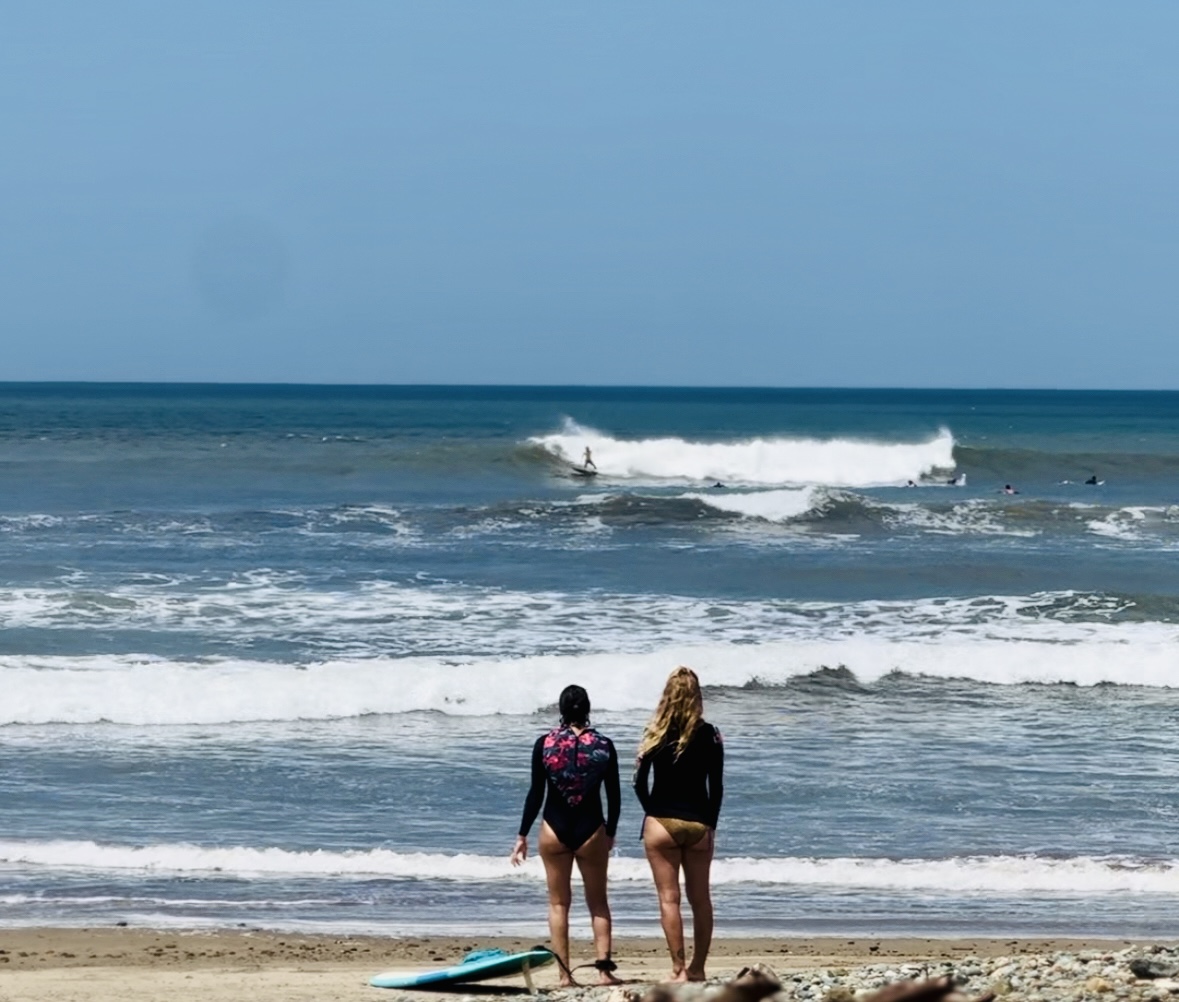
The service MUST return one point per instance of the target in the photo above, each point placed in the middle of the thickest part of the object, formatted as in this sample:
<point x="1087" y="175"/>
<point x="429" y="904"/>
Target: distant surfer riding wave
<point x="588" y="467"/>
<point x="757" y="461"/>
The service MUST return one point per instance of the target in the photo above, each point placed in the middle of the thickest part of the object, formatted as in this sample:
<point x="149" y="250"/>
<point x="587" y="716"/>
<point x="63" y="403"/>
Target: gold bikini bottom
<point x="684" y="833"/>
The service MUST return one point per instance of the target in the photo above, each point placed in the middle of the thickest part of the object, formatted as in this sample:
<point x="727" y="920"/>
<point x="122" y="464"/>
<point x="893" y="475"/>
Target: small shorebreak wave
<point x="983" y="875"/>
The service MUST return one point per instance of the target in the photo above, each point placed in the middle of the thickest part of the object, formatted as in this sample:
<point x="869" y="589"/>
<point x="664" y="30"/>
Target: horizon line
<point x="282" y="384"/>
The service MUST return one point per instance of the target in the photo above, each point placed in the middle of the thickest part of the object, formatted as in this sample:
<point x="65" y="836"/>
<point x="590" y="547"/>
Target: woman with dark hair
<point x="570" y="765"/>
<point x="681" y="810"/>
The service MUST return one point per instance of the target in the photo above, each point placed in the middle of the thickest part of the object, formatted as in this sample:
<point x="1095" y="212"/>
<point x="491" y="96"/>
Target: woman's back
<point x="688" y="786"/>
<point x="571" y="765"/>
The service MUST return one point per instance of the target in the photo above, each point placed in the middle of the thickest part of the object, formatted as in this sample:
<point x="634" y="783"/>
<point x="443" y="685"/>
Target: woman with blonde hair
<point x="682" y="808"/>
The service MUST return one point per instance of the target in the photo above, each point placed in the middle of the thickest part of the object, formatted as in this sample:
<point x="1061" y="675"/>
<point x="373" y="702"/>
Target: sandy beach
<point x="105" y="965"/>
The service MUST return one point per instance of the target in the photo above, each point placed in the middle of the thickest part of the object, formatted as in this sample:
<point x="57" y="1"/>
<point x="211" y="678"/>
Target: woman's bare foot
<point x="606" y="978"/>
<point x="564" y="981"/>
<point x="693" y="975"/>
<point x="678" y="977"/>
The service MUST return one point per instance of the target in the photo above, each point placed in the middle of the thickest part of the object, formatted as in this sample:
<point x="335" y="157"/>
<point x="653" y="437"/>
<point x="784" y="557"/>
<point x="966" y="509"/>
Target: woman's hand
<point x="519" y="850"/>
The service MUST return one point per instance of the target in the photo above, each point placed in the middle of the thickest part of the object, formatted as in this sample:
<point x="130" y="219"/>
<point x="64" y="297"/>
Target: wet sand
<point x="112" y="964"/>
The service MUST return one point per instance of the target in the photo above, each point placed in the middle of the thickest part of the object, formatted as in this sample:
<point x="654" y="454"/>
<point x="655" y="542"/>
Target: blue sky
<point x="901" y="194"/>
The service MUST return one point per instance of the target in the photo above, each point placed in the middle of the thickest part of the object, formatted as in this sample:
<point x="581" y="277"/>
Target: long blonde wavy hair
<point x="680" y="710"/>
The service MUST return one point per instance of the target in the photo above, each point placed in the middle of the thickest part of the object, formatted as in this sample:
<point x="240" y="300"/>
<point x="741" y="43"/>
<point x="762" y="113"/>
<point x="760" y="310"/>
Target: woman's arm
<point x="613" y="793"/>
<point x="535" y="798"/>
<point x="642" y="789"/>
<point x="716" y="776"/>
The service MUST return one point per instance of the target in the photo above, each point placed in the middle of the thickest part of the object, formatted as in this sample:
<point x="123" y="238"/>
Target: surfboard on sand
<point x="584" y="471"/>
<point x="477" y="966"/>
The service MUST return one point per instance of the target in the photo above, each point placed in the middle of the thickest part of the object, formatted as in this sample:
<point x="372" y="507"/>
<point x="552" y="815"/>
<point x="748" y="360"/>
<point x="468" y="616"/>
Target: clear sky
<point x="777" y="193"/>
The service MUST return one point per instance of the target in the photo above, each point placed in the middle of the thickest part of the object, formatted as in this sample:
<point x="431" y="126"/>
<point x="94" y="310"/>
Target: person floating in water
<point x="958" y="481"/>
<point x="1093" y="481"/>
<point x="587" y="461"/>
<point x="1008" y="489"/>
<point x="718" y="486"/>
<point x="911" y="483"/>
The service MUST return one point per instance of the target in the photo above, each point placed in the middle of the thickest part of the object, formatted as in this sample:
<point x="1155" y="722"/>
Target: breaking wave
<point x="1052" y="638"/>
<point x="837" y="462"/>
<point x="841" y="512"/>
<point x="781" y="505"/>
<point x="559" y="523"/>
<point x="998" y="875"/>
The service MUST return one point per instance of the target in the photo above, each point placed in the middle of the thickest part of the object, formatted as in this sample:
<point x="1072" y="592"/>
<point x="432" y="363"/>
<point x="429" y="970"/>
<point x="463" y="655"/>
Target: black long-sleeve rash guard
<point x="689" y="787"/>
<point x="573" y="823"/>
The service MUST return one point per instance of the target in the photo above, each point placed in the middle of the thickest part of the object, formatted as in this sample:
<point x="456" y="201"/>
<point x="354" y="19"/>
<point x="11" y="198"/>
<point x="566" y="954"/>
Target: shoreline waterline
<point x="33" y="948"/>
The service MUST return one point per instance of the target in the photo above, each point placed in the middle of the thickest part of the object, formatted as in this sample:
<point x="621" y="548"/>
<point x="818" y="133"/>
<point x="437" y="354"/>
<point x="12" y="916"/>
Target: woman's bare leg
<point x="558" y="872"/>
<point x="665" y="857"/>
<point x="593" y="858"/>
<point x="697" y="866"/>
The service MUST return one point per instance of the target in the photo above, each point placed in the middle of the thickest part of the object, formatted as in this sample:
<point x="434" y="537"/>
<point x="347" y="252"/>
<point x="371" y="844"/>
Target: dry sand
<point x="134" y="965"/>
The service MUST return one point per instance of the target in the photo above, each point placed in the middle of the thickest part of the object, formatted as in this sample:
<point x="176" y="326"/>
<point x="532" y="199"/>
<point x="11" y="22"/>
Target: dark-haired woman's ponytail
<point x="574" y="705"/>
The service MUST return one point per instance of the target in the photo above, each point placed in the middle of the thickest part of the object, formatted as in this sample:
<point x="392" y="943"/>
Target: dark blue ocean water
<point x="276" y="655"/>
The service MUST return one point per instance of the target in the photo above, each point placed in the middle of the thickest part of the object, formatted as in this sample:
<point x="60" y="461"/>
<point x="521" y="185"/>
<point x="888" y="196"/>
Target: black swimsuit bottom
<point x="573" y="826"/>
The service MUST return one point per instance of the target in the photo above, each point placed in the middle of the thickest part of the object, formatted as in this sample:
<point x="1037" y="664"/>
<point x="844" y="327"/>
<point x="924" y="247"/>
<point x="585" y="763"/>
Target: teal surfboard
<point x="477" y="966"/>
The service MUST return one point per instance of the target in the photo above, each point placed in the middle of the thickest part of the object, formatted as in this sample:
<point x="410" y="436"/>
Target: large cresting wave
<point x="836" y="462"/>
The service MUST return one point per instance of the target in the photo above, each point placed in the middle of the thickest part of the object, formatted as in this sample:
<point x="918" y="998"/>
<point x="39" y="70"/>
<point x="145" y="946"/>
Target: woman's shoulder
<point x="708" y="733"/>
<point x="596" y="737"/>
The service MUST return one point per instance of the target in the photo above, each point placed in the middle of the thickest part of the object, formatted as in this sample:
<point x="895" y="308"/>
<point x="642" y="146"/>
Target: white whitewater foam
<point x="18" y="523"/>
<point x="838" y="462"/>
<point x="51" y="900"/>
<point x="993" y="640"/>
<point x="1079" y="875"/>
<point x="974" y="517"/>
<point x="1125" y="523"/>
<point x="385" y="621"/>
<point x="780" y="505"/>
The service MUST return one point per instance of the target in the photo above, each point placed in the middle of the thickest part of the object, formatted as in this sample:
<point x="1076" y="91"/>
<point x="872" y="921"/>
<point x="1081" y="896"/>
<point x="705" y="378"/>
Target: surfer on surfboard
<point x="587" y="461"/>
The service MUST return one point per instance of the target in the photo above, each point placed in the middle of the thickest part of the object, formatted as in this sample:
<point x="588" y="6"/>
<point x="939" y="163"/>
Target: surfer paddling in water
<point x="682" y="808"/>
<point x="570" y="765"/>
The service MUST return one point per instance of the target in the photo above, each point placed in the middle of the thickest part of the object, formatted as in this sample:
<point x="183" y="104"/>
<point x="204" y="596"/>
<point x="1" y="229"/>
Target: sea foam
<point x="982" y="641"/>
<point x="837" y="462"/>
<point x="463" y="623"/>
<point x="780" y="505"/>
<point x="998" y="875"/>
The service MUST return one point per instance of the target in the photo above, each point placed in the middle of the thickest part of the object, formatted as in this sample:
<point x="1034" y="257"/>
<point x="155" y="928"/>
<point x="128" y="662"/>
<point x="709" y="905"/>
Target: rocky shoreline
<point x="1135" y="974"/>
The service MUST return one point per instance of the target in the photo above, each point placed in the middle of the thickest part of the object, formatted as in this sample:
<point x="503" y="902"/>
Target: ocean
<point x="276" y="656"/>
